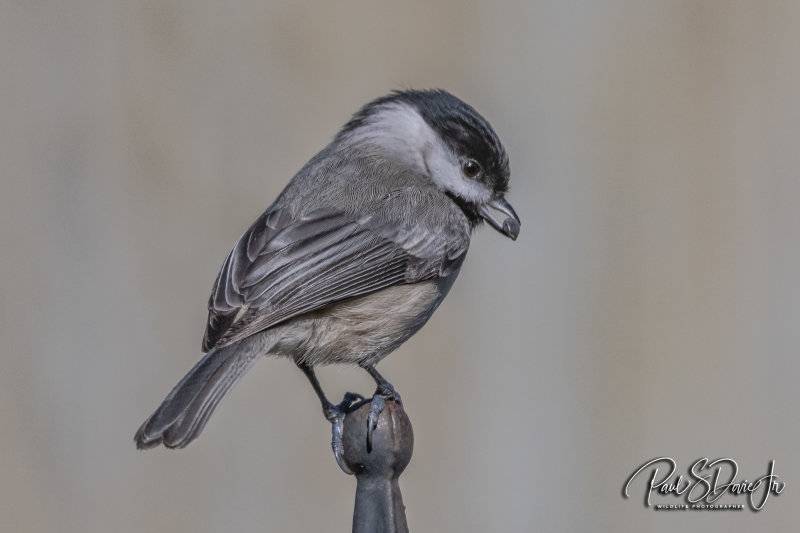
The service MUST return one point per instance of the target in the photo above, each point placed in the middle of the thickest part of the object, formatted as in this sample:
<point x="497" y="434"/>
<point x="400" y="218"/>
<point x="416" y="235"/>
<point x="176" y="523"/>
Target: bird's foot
<point x="335" y="415"/>
<point x="384" y="392"/>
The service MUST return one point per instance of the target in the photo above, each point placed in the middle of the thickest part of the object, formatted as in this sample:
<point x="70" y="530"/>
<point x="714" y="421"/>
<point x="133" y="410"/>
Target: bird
<point x="351" y="259"/>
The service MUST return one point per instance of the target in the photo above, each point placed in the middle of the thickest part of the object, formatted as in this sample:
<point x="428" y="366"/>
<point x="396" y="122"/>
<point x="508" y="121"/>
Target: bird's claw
<point x="350" y="402"/>
<point x="335" y="415"/>
<point x="383" y="393"/>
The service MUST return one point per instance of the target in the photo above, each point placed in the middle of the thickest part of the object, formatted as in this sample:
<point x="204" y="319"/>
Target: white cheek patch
<point x="401" y="131"/>
<point x="445" y="171"/>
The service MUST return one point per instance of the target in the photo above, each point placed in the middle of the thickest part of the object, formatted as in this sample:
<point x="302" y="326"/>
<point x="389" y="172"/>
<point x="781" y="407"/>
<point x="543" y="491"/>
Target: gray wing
<point x="282" y="268"/>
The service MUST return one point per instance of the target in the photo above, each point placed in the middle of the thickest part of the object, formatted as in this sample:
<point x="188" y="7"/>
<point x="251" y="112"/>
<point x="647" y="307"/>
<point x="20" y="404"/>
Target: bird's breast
<point x="362" y="330"/>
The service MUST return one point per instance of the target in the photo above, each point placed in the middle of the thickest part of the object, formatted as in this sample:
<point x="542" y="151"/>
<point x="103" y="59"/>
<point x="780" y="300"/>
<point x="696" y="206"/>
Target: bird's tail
<point x="184" y="412"/>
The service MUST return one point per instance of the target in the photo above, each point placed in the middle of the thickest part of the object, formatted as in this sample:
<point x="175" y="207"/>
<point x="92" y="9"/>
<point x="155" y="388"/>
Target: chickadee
<point x="352" y="258"/>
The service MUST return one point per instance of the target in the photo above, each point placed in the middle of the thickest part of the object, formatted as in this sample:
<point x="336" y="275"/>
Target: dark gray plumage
<point x="354" y="255"/>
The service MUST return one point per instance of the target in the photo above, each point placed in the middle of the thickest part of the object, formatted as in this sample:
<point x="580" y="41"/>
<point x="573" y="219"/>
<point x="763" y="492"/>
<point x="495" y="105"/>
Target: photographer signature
<point x="707" y="482"/>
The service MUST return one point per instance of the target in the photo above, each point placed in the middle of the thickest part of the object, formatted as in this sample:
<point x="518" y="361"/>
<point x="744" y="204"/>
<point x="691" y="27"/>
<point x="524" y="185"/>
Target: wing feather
<point x="281" y="268"/>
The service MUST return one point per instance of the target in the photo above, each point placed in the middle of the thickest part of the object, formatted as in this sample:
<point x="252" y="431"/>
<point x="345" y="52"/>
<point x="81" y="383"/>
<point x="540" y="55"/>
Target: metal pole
<point x="379" y="505"/>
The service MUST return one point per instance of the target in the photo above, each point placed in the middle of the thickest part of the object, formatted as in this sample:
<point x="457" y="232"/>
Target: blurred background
<point x="649" y="307"/>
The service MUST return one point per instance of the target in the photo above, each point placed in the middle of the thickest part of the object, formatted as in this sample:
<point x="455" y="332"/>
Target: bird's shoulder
<point x="366" y="186"/>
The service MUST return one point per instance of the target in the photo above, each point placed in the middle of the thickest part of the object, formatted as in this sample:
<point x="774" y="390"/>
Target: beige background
<point x="650" y="306"/>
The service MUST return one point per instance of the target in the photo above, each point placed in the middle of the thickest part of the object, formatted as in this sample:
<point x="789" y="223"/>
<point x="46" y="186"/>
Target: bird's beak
<point x="510" y="226"/>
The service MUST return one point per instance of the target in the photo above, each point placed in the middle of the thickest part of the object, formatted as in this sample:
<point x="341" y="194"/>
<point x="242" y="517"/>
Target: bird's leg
<point x="384" y="391"/>
<point x="333" y="413"/>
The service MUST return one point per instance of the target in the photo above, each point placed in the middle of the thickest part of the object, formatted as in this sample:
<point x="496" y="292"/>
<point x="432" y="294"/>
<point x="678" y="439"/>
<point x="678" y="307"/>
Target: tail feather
<point x="184" y="412"/>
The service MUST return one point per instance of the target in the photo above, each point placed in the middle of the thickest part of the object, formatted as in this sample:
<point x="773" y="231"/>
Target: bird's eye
<point x="470" y="168"/>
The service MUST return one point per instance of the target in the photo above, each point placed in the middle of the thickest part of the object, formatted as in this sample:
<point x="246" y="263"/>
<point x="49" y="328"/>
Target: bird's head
<point x="443" y="138"/>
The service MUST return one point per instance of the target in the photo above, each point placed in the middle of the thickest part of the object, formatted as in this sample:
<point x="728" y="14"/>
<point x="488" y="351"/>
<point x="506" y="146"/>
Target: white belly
<point x="362" y="330"/>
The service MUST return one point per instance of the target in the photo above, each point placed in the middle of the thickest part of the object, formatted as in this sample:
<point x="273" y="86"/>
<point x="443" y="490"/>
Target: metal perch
<point x="379" y="505"/>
